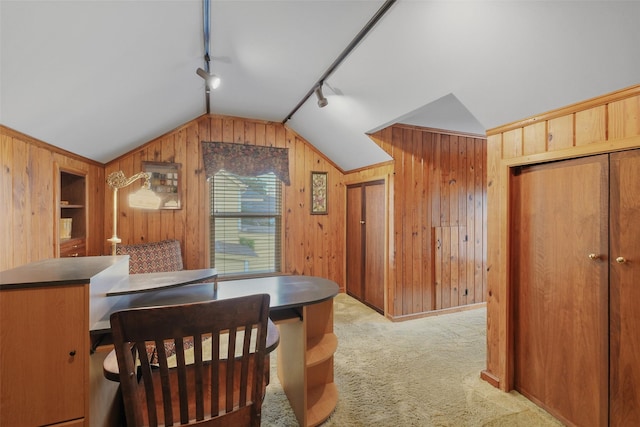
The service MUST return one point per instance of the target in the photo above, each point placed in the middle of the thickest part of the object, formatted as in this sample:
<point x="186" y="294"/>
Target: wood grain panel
<point x="496" y="322"/>
<point x="354" y="242"/>
<point x="439" y="186"/>
<point x="560" y="133"/>
<point x="625" y="292"/>
<point x="560" y="311"/>
<point x="624" y="118"/>
<point x="512" y="143"/>
<point x="6" y="183"/>
<point x="591" y="125"/>
<point x="374" y="240"/>
<point x="534" y="138"/>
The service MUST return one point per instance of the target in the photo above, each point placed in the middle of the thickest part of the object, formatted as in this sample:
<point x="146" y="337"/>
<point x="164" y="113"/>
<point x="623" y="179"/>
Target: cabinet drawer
<point x="73" y="248"/>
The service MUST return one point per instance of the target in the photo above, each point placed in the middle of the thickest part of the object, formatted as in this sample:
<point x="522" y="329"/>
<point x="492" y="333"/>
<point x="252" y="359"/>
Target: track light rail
<point x="357" y="39"/>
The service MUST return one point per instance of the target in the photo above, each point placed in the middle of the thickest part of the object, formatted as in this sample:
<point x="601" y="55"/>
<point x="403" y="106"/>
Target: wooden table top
<point x="286" y="292"/>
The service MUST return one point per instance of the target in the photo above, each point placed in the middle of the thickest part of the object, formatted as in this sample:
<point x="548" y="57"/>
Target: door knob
<point x="621" y="260"/>
<point x="593" y="256"/>
<point x="361" y="222"/>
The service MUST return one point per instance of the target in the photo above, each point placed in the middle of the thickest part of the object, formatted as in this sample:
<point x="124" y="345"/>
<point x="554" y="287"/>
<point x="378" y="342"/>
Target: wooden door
<point x="625" y="289"/>
<point x="374" y="258"/>
<point x="560" y="274"/>
<point x="365" y="242"/>
<point x="354" y="242"/>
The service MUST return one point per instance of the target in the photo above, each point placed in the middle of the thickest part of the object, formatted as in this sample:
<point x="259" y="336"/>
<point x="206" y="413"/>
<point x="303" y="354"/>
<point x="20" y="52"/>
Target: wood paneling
<point x="438" y="189"/>
<point x="437" y="179"/>
<point x="312" y="244"/>
<point x="29" y="196"/>
<point x="600" y="125"/>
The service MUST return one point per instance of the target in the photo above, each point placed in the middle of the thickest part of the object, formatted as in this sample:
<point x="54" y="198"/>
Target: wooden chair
<point x="191" y="387"/>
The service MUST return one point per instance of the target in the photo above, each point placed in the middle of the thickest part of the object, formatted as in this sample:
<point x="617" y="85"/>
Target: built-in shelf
<point x="307" y="375"/>
<point x="71" y="221"/>
<point x="322" y="400"/>
<point x="321" y="348"/>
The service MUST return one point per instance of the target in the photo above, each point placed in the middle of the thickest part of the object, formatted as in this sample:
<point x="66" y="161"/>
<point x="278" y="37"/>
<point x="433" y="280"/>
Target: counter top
<point x="56" y="271"/>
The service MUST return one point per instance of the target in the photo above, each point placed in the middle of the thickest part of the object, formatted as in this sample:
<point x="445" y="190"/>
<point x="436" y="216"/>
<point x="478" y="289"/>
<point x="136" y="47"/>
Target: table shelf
<point x="322" y="400"/>
<point x="321" y="348"/>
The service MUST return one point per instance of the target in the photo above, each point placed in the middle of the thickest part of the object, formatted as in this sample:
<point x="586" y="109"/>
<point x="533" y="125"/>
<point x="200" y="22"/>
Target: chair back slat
<point x="199" y="376"/>
<point x="193" y="364"/>
<point x="230" y="362"/>
<point x="244" y="372"/>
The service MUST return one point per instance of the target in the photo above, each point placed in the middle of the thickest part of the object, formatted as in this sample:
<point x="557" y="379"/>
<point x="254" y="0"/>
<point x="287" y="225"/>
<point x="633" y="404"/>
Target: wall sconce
<point x="144" y="198"/>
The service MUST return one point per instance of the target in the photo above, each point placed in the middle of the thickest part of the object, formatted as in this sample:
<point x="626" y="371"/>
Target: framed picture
<point x="165" y="182"/>
<point x="318" y="193"/>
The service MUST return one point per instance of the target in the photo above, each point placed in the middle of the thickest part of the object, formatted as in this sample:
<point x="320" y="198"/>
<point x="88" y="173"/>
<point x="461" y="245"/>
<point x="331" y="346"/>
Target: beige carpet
<point x="423" y="372"/>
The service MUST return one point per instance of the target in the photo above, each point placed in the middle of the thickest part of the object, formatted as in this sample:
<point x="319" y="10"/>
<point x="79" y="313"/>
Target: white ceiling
<point x="100" y="78"/>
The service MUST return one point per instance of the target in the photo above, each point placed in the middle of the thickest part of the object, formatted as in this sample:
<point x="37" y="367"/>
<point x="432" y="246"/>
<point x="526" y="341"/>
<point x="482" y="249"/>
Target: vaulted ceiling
<point x="100" y="78"/>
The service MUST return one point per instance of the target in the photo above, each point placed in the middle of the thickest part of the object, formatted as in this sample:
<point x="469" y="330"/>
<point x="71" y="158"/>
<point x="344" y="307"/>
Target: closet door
<point x="374" y="244"/>
<point x="625" y="289"/>
<point x="365" y="242"/>
<point x="560" y="274"/>
<point x="355" y="266"/>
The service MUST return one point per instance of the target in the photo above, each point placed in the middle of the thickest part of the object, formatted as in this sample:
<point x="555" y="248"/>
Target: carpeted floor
<point x="423" y="372"/>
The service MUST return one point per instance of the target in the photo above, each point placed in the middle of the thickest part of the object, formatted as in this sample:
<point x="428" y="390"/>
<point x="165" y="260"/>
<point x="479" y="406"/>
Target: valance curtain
<point x="245" y="160"/>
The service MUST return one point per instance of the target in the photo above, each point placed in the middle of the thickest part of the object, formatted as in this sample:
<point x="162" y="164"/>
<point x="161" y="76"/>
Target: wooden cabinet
<point x="305" y="363"/>
<point x="71" y="221"/>
<point x="44" y="360"/>
<point x="575" y="271"/>
<point x="366" y="243"/>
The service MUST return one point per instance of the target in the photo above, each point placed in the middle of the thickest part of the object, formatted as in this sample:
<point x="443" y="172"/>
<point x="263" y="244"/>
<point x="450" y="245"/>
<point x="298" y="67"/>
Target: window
<point x="245" y="223"/>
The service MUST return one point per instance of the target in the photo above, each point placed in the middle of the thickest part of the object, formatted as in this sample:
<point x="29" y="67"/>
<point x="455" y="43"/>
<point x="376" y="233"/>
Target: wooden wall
<point x="313" y="244"/>
<point x="437" y="218"/>
<point x="600" y="125"/>
<point x="436" y="232"/>
<point x="29" y="198"/>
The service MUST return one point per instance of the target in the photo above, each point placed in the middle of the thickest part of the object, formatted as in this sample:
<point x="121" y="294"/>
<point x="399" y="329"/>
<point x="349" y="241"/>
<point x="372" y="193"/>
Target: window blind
<point x="245" y="222"/>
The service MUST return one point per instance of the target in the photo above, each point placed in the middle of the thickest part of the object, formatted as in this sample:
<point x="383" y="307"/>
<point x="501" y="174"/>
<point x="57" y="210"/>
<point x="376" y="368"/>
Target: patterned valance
<point x="245" y="160"/>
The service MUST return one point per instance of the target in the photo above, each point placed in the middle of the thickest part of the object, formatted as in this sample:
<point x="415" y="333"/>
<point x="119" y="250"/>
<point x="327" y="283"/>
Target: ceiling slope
<point x="100" y="78"/>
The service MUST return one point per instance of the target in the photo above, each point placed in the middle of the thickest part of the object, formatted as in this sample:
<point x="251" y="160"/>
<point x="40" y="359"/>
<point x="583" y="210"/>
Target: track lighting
<point x="211" y="80"/>
<point x="322" y="101"/>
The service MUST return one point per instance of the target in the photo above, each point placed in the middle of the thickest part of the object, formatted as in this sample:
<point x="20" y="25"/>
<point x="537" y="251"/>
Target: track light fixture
<point x="322" y="101"/>
<point x="211" y="80"/>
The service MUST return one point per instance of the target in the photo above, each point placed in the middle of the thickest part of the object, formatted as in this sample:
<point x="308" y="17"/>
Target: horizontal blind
<point x="245" y="221"/>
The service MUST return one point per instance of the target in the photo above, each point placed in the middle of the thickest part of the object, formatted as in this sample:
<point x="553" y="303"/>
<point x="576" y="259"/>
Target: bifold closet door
<point x="374" y="244"/>
<point x="625" y="289"/>
<point x="355" y="260"/>
<point x="365" y="242"/>
<point x="559" y="276"/>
